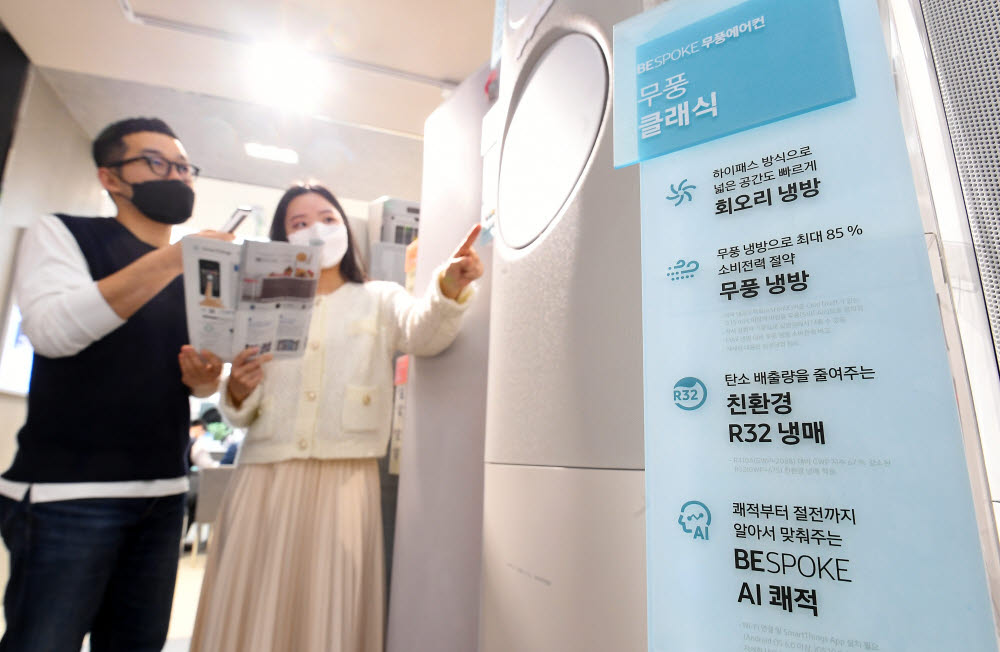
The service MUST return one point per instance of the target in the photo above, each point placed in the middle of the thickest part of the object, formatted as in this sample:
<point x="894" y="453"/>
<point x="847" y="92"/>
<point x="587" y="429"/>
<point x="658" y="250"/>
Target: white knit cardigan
<point x="336" y="400"/>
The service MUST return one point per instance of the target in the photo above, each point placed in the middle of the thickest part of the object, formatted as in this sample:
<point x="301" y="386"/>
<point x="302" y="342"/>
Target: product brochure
<point x="251" y="294"/>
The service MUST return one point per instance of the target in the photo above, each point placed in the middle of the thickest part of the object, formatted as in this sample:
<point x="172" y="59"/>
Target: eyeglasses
<point x="160" y="166"/>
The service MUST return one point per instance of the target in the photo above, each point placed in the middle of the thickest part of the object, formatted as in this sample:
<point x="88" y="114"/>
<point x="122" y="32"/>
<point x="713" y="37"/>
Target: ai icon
<point x="695" y="519"/>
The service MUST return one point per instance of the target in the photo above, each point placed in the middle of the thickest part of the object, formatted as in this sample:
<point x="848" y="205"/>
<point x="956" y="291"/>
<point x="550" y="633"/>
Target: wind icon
<point x="681" y="192"/>
<point x="682" y="270"/>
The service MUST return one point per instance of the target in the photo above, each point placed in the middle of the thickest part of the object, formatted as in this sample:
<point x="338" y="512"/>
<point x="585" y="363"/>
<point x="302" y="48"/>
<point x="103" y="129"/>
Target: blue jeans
<point x="103" y="565"/>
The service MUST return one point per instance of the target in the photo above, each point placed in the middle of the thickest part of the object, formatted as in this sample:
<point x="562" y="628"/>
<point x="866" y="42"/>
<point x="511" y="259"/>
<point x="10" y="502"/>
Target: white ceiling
<point x="435" y="38"/>
<point x="357" y="163"/>
<point x="378" y="68"/>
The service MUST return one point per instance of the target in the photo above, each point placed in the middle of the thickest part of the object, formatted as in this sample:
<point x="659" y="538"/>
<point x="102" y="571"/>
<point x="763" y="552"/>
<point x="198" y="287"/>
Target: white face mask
<point x="333" y="237"/>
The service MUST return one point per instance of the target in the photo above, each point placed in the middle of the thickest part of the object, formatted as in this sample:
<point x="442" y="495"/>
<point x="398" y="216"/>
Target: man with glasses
<point x="92" y="506"/>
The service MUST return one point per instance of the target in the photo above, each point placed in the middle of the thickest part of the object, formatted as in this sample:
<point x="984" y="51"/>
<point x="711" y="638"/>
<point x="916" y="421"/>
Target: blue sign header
<point x="753" y="64"/>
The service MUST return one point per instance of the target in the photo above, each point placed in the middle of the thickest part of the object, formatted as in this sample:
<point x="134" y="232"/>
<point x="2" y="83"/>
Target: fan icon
<point x="681" y="192"/>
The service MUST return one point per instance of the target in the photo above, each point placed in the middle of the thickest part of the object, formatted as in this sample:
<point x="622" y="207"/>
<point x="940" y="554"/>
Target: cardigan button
<point x="303" y="444"/>
<point x="314" y="346"/>
<point x="367" y="400"/>
<point x="311" y="396"/>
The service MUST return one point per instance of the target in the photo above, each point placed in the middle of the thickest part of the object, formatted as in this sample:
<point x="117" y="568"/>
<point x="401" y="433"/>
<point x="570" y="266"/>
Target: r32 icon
<point x="689" y="393"/>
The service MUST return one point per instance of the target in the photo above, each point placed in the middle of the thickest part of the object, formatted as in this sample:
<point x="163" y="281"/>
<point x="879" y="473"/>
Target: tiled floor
<point x="189" y="574"/>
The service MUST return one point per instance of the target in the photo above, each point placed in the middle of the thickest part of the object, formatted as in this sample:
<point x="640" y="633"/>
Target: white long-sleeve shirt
<point x="336" y="400"/>
<point x="62" y="313"/>
<point x="62" y="310"/>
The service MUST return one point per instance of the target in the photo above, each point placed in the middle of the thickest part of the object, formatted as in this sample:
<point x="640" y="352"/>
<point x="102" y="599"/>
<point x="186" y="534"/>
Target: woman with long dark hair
<point x="296" y="558"/>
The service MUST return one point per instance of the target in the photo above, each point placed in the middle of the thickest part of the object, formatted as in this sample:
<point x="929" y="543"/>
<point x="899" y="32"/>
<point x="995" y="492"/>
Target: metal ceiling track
<point x="200" y="30"/>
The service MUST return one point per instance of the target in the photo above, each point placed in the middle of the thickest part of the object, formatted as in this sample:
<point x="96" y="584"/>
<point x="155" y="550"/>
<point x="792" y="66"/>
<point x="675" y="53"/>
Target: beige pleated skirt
<point x="295" y="562"/>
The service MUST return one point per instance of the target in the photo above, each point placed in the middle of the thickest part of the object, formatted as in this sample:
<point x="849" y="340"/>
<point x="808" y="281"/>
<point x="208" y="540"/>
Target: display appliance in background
<point x="392" y="225"/>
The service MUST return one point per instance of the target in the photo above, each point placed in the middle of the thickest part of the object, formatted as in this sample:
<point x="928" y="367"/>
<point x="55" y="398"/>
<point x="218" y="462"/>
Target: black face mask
<point x="169" y="201"/>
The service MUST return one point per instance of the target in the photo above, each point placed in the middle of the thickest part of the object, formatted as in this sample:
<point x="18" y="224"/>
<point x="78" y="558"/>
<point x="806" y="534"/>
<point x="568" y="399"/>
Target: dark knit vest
<point x="117" y="410"/>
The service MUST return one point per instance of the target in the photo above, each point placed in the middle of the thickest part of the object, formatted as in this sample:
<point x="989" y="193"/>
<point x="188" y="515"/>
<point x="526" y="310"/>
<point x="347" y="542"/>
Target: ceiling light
<point x="272" y="153"/>
<point x="286" y="77"/>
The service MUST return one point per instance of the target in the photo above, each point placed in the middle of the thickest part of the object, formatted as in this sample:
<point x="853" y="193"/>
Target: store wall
<point x="49" y="166"/>
<point x="13" y="74"/>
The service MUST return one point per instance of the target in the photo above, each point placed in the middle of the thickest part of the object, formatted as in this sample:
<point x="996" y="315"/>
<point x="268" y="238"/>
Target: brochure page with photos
<point x="251" y="294"/>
